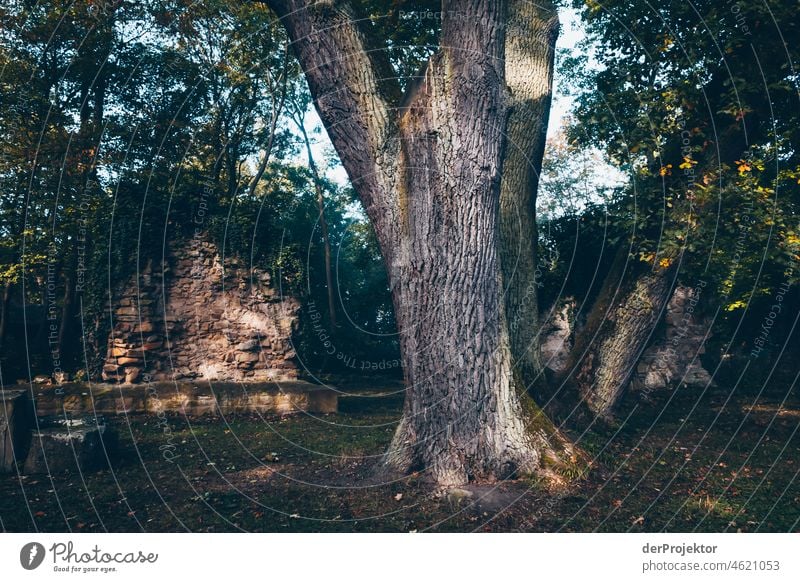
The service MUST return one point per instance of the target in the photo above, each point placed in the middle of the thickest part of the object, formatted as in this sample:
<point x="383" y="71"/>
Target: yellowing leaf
<point x="743" y="166"/>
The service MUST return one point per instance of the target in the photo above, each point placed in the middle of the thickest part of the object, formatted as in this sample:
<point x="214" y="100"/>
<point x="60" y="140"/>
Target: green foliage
<point x="698" y="104"/>
<point x="129" y="126"/>
<point x="406" y="30"/>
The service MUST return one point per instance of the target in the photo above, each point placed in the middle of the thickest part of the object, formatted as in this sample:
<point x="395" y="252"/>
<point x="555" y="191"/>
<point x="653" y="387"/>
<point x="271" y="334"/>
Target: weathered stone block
<point x="323" y="401"/>
<point x="71" y="447"/>
<point x="132" y="374"/>
<point x="16" y="420"/>
<point x="110" y="376"/>
<point x="248" y="345"/>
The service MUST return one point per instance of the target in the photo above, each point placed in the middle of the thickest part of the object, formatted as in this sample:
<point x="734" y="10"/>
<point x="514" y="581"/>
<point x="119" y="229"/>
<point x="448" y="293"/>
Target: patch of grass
<point x="675" y="466"/>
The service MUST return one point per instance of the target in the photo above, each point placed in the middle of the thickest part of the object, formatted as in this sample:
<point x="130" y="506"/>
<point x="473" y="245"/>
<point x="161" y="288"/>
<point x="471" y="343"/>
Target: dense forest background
<point x="127" y="125"/>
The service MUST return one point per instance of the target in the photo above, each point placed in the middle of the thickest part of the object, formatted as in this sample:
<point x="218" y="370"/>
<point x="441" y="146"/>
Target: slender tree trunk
<point x="278" y="102"/>
<point x="83" y="172"/>
<point x="67" y="309"/>
<point x="530" y="49"/>
<point x="429" y="177"/>
<point x="326" y="241"/>
<point x="618" y="328"/>
<point x="4" y="303"/>
<point x="89" y="142"/>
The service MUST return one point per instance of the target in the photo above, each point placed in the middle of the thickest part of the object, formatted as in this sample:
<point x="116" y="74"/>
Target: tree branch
<point x="353" y="92"/>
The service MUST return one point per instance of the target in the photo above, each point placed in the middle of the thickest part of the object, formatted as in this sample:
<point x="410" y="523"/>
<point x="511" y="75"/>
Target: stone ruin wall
<point x="672" y="358"/>
<point x="556" y="335"/>
<point x="196" y="319"/>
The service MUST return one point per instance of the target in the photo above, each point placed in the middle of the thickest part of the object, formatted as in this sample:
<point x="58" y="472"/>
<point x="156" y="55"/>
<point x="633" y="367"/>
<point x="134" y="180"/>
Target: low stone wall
<point x="197" y="318"/>
<point x="190" y="398"/>
<point x="69" y="427"/>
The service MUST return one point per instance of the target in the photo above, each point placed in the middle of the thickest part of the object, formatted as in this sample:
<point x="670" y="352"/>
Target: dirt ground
<point x="691" y="461"/>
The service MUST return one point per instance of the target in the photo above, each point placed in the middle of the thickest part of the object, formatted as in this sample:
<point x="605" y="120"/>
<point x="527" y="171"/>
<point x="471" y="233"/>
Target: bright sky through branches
<point x="571" y="34"/>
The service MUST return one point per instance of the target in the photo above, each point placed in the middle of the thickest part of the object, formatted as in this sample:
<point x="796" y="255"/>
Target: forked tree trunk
<point x="618" y="328"/>
<point x="429" y="176"/>
<point x="463" y="418"/>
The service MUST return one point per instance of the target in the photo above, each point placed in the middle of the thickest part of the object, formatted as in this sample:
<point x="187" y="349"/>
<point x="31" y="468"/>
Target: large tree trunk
<point x="463" y="418"/>
<point x="428" y="174"/>
<point x="618" y="328"/>
<point x="530" y="49"/>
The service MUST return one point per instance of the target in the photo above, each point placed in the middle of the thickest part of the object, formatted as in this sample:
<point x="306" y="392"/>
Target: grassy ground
<point x="681" y="464"/>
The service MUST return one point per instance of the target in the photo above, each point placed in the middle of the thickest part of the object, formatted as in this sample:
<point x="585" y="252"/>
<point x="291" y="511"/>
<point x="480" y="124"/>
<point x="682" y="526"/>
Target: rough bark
<point x="428" y="174"/>
<point x="532" y="30"/>
<point x="618" y="328"/>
